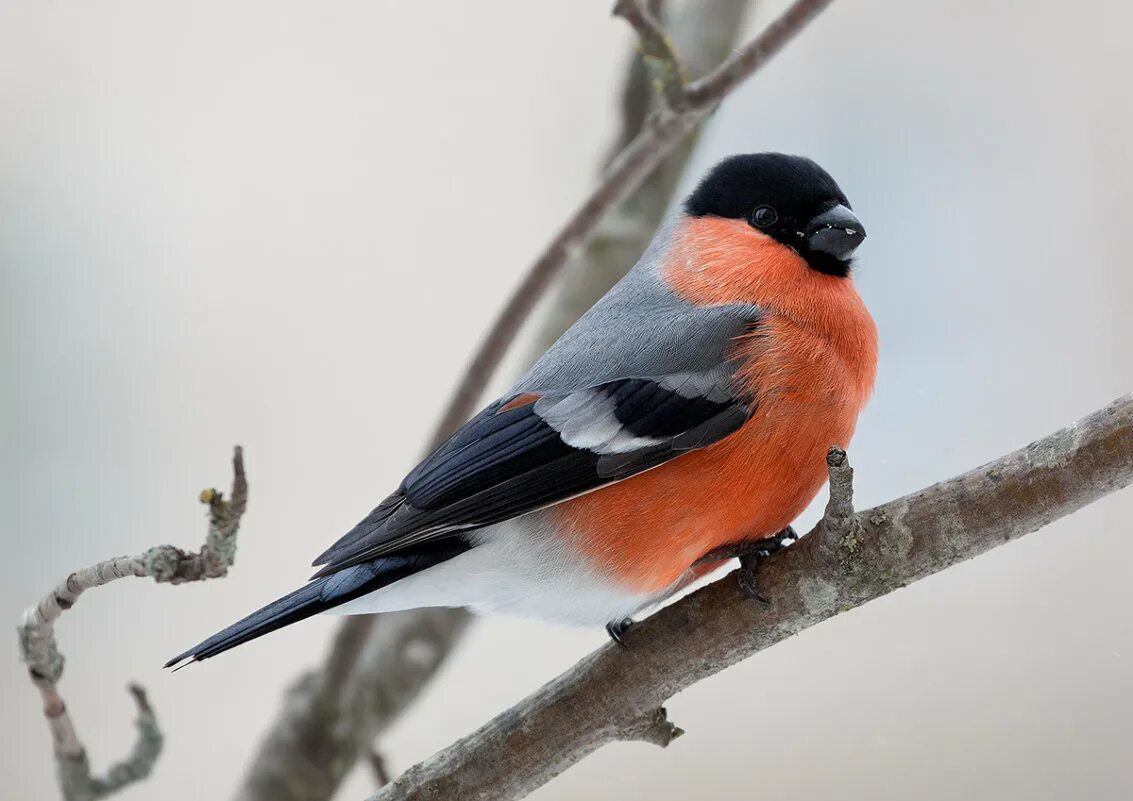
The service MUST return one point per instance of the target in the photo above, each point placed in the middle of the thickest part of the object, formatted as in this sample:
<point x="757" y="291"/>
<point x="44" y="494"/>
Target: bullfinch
<point x="691" y="408"/>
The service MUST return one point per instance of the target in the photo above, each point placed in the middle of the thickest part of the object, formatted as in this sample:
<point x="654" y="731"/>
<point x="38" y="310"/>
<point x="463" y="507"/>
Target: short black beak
<point x="836" y="232"/>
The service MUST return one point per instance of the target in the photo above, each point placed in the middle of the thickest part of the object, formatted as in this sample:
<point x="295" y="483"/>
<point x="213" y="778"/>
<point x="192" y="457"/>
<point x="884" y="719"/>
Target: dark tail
<point x="320" y="595"/>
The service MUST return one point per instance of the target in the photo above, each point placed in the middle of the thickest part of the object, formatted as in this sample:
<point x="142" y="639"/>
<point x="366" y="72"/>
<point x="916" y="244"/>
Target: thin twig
<point x="714" y="87"/>
<point x="845" y="561"/>
<point x="657" y="52"/>
<point x="39" y="649"/>
<point x="378" y="768"/>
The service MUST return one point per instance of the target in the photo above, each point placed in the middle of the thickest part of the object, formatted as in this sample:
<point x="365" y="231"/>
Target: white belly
<point x="517" y="567"/>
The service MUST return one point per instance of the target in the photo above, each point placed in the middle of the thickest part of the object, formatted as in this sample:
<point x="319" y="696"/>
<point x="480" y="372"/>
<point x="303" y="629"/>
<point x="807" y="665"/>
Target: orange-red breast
<point x="691" y="407"/>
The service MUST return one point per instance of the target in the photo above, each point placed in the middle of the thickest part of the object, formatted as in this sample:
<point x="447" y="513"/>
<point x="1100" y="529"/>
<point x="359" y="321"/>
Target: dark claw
<point x="780" y="541"/>
<point x="747" y="580"/>
<point x="749" y="561"/>
<point x="617" y="628"/>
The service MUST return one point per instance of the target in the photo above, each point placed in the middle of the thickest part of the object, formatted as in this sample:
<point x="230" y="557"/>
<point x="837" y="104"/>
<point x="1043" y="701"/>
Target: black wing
<point x="521" y="454"/>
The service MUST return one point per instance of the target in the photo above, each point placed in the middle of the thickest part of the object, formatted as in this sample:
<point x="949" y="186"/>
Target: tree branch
<point x="40" y="651"/>
<point x="662" y="133"/>
<point x="333" y="713"/>
<point x="378" y="768"/>
<point x="714" y="87"/>
<point x="846" y="560"/>
<point x="657" y="52"/>
<point x="706" y="32"/>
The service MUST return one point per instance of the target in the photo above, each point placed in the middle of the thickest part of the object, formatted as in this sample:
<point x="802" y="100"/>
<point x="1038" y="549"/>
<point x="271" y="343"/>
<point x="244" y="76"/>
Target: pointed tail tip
<point x="181" y="661"/>
<point x="324" y="571"/>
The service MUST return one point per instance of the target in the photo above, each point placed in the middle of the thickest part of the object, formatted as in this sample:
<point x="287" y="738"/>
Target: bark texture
<point x="847" y="560"/>
<point x="40" y="651"/>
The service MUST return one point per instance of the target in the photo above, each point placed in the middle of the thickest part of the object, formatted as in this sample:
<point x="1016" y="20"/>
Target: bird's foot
<point x="771" y="545"/>
<point x="751" y="554"/>
<point x="617" y="628"/>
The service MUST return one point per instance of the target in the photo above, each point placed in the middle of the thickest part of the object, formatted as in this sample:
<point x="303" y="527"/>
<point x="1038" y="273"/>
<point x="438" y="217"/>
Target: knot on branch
<point x="655" y="727"/>
<point x="168" y="564"/>
<point x="40" y="653"/>
<point x="164" y="563"/>
<point x="658" y="54"/>
<point x="839" y="526"/>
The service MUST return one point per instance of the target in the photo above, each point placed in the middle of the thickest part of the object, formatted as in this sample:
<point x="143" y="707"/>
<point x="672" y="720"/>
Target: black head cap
<point x="789" y="198"/>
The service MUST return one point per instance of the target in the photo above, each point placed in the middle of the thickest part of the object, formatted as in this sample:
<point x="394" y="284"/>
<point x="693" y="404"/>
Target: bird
<point x="688" y="411"/>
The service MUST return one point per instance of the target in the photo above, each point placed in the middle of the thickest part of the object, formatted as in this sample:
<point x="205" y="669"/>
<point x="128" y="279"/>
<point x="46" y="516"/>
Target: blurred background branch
<point x="40" y="651"/>
<point x="333" y="714"/>
<point x="615" y="694"/>
<point x="661" y="132"/>
<point x="655" y="51"/>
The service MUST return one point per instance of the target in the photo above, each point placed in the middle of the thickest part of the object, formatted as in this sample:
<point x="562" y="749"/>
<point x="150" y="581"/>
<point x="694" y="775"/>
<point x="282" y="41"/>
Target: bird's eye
<point x="764" y="216"/>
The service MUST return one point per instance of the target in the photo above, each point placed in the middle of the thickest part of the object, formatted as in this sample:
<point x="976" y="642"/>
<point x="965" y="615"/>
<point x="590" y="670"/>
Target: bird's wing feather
<point x="642" y="378"/>
<point x="508" y="461"/>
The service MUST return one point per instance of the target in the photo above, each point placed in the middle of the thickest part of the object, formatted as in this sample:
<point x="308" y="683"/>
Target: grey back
<point x="639" y="329"/>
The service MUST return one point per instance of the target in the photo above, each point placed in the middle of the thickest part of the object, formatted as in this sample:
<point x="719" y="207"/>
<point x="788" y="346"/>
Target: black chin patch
<point x="825" y="263"/>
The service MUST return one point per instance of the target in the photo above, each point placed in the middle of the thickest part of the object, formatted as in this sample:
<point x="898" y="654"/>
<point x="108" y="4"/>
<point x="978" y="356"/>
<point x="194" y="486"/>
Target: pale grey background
<point x="287" y="224"/>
